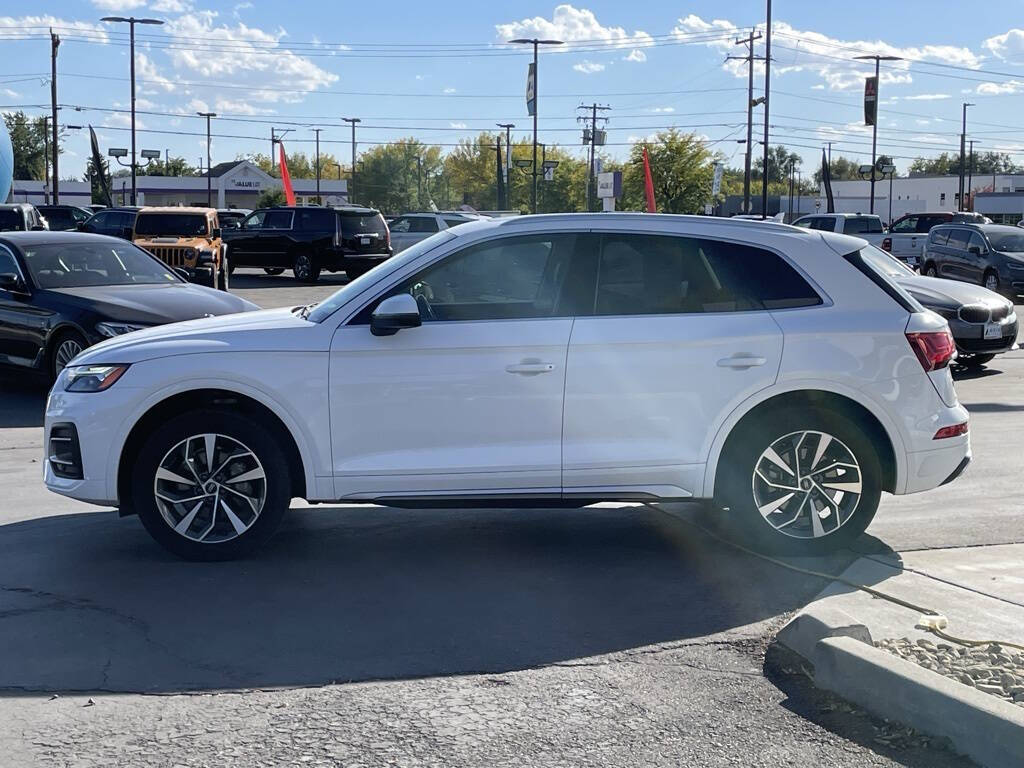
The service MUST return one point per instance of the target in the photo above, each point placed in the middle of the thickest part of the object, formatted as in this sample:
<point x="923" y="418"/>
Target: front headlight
<point x="110" y="330"/>
<point x="91" y="378"/>
<point x="205" y="257"/>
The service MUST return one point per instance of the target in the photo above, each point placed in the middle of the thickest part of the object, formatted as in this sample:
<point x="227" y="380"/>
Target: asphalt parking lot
<point x="609" y="635"/>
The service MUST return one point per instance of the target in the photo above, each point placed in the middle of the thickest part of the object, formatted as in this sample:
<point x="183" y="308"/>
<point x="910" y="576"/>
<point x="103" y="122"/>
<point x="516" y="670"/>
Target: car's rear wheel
<point x="63" y="350"/>
<point x="304" y="269"/>
<point x="210" y="485"/>
<point x="274" y="271"/>
<point x="800" y="481"/>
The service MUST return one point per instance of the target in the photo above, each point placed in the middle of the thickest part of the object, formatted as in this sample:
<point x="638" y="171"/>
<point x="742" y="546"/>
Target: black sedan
<point x="982" y="322"/>
<point x="61" y="292"/>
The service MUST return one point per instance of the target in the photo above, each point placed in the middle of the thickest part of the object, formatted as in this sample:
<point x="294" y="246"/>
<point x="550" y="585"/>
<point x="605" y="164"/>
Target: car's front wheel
<point x="929" y="271"/>
<point x="210" y="485"/>
<point x="800" y="481"/>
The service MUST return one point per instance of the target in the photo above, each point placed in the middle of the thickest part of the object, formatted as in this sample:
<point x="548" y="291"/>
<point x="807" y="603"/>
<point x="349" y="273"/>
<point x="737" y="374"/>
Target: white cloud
<point x="570" y="24"/>
<point x="124" y="120"/>
<point x="171" y="6"/>
<point x="10" y="93"/>
<point x="588" y="67"/>
<point x="460" y="126"/>
<point x="818" y="87"/>
<point x="239" y="7"/>
<point x="118" y="5"/>
<point x="927" y="97"/>
<point x="921" y="121"/>
<point x="999" y="89"/>
<point x="660" y="110"/>
<point x="146" y="71"/>
<point x="15" y="26"/>
<point x="1008" y="46"/>
<point x="799" y="50"/>
<point x="448" y="90"/>
<point x="421" y="77"/>
<point x="635" y="55"/>
<point x="257" y="59"/>
<point x="227" y="106"/>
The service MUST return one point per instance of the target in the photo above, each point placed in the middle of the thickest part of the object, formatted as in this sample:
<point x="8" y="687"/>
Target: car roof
<point x="54" y="237"/>
<point x="175" y="209"/>
<point x="20" y="206"/>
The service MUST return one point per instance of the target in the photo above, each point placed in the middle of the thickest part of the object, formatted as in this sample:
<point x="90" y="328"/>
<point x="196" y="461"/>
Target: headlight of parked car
<point x="205" y="257"/>
<point x="91" y="378"/>
<point x="109" y="330"/>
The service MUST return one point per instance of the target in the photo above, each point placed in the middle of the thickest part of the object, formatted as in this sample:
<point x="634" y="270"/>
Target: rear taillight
<point x="933" y="348"/>
<point x="954" y="430"/>
<point x="887" y="244"/>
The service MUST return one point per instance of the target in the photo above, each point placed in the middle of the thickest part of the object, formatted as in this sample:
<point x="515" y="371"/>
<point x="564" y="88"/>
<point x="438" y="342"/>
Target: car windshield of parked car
<point x="326" y="308"/>
<point x="10" y="220"/>
<point x="79" y="265"/>
<point x="886" y="263"/>
<point x="171" y="225"/>
<point x="1010" y="242"/>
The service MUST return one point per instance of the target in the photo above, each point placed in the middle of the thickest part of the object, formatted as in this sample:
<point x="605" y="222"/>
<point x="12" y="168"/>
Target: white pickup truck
<point x="905" y="239"/>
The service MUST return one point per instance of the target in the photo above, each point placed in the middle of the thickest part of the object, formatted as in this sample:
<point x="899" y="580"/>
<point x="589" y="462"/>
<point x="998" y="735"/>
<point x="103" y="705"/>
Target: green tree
<point x="28" y="138"/>
<point x="681" y="169"/>
<point x="93" y="179"/>
<point x="393" y="179"/>
<point x="176" y="166"/>
<point x="300" y="165"/>
<point x="948" y="163"/>
<point x="270" y="198"/>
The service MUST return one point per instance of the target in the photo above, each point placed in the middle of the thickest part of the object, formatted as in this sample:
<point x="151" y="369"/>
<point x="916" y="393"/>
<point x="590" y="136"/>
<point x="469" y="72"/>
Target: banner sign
<point x="531" y="90"/>
<point x="716" y="184"/>
<point x="870" y="100"/>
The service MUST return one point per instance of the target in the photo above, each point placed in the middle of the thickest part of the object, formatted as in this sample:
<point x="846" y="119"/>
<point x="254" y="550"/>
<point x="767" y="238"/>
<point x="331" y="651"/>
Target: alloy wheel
<point x="991" y="282"/>
<point x="210" y="488"/>
<point x="303" y="267"/>
<point x="66" y="352"/>
<point x="807" y="484"/>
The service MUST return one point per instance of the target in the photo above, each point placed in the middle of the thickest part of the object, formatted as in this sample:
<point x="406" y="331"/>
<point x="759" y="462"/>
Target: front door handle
<point x="742" y="361"/>
<point x="530" y="368"/>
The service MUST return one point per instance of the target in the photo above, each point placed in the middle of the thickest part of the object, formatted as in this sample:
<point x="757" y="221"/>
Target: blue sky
<point x="437" y="71"/>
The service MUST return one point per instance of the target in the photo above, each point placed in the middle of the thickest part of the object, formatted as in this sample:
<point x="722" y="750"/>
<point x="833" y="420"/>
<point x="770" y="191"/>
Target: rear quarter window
<point x="883" y="281"/>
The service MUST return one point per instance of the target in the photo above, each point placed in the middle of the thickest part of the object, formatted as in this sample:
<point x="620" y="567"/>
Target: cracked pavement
<point x="614" y="635"/>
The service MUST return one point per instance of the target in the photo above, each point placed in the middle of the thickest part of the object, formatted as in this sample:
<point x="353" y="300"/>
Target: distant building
<point x="37" y="192"/>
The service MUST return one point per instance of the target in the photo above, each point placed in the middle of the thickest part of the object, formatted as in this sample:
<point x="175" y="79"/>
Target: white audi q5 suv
<point x="556" y="360"/>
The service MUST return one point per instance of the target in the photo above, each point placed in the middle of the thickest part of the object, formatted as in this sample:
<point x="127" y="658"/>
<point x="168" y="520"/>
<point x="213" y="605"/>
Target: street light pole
<point x="767" y="100"/>
<point x="352" y="178"/>
<point x="209" y="177"/>
<point x="963" y="139"/>
<point x="970" y="177"/>
<point x="536" y="94"/>
<point x="508" y="161"/>
<point x="54" y="43"/>
<point x="317" y="132"/>
<point x="874" y="123"/>
<point x="131" y="21"/>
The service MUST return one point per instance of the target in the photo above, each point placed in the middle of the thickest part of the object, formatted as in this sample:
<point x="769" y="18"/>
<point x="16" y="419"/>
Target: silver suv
<point x="410" y="228"/>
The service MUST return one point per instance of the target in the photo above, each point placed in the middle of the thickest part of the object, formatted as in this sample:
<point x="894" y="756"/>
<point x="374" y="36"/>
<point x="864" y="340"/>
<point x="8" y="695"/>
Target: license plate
<point x="364" y="240"/>
<point x="993" y="331"/>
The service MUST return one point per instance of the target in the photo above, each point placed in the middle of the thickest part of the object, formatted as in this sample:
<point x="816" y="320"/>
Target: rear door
<point x="954" y="262"/>
<point x="679" y="333"/>
<point x="276" y="241"/>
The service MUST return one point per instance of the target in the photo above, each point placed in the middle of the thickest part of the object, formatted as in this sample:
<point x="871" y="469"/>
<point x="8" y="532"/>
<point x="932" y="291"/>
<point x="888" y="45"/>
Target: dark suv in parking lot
<point x="991" y="255"/>
<point x="116" y="222"/>
<point x="308" y="240"/>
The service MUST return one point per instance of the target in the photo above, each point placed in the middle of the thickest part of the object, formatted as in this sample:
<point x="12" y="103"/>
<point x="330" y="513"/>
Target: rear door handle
<point x="530" y="368"/>
<point x="742" y="361"/>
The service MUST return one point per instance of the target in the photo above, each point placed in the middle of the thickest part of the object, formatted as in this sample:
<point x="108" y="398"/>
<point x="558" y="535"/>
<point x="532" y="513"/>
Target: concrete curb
<point x="986" y="729"/>
<point x="816" y="622"/>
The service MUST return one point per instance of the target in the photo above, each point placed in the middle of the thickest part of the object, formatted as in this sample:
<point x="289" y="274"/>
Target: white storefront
<point x="37" y="192"/>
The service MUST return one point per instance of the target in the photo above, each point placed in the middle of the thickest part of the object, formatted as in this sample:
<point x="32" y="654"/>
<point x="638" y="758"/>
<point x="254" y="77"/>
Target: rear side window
<point x="655" y="274"/>
<point x="454" y="222"/>
<point x="10" y="219"/>
<point x="925" y="223"/>
<point x="938" y="236"/>
<point x="316" y="219"/>
<point x="868" y="266"/>
<point x="423" y="224"/>
<point x="958" y="238"/>
<point x="862" y="225"/>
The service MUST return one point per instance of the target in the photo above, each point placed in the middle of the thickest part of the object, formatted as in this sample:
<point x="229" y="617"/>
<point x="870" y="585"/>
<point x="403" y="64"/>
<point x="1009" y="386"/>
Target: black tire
<point x="236" y="427"/>
<point x="274" y="271"/>
<point x="929" y="270"/>
<point x="222" y="279"/>
<point x="736" y="480"/>
<point x="305" y="269"/>
<point x="974" y="361"/>
<point x="985" y="280"/>
<point x="60" y="346"/>
<point x="354" y="272"/>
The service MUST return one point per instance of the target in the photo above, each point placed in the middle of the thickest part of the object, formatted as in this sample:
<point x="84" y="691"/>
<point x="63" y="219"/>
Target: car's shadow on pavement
<point x="89" y="602"/>
<point x="22" y="399"/>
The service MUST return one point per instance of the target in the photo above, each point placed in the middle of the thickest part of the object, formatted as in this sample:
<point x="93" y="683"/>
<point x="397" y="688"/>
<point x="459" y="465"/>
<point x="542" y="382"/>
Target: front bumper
<point x="970" y="337"/>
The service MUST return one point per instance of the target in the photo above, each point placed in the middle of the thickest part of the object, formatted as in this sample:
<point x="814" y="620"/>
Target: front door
<point x="680" y="334"/>
<point x="470" y="403"/>
<point x="905" y="238"/>
<point x="243" y="243"/>
<point x="22" y="326"/>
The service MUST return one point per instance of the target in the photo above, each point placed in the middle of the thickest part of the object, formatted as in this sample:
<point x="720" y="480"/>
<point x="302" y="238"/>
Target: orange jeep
<point x="187" y="240"/>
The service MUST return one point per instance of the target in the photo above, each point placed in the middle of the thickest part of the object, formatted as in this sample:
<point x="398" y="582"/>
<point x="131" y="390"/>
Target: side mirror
<point x="11" y="282"/>
<point x="393" y="314"/>
<point x="182" y="273"/>
<point x="215" y="233"/>
<point x="974" y="250"/>
<point x="80" y="226"/>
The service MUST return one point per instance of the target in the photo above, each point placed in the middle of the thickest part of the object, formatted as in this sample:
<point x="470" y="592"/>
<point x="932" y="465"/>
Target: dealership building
<point x="235" y="184"/>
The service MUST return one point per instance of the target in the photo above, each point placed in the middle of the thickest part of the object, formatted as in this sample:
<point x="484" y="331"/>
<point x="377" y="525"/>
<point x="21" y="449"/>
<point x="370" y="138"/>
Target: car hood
<point x="949" y="294"/>
<point x="268" y="330"/>
<point x="154" y="304"/>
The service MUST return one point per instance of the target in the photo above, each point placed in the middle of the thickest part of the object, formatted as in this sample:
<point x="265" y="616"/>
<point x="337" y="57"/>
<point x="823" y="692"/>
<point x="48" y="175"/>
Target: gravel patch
<point x="991" y="668"/>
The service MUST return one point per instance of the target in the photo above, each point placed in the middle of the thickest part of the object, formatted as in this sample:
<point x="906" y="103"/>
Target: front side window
<point x="938" y="236"/>
<point x="10" y="220"/>
<point x="255" y="220"/>
<point x="977" y="241"/>
<point x="8" y="264"/>
<point x="907" y="224"/>
<point x="401" y="225"/>
<point x="655" y="274"/>
<point x="958" y="238"/>
<point x="169" y="224"/>
<point x="76" y="265"/>
<point x="424" y="224"/>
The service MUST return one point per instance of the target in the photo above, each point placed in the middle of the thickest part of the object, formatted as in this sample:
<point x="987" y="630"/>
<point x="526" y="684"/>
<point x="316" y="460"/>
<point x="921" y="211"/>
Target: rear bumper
<point x="340" y="261"/>
<point x="938" y="466"/>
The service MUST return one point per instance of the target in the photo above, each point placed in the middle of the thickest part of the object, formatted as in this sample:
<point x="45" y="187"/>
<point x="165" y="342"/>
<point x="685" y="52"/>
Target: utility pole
<point x="536" y="98"/>
<point x="970" y="178"/>
<point x="317" y="132"/>
<point x="963" y="139"/>
<point x="273" y="148"/>
<point x="508" y="161"/>
<point x="419" y="181"/>
<point x="352" y="177"/>
<point x="874" y="123"/>
<point x="593" y="143"/>
<point x="209" y="178"/>
<point x="46" y="159"/>
<point x="54" y="43"/>
<point x="751" y="103"/>
<point x="767" y="101"/>
<point x="829" y="143"/>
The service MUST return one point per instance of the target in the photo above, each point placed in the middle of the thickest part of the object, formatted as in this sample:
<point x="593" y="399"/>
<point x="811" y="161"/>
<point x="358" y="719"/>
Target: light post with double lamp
<point x="536" y="93"/>
<point x="131" y="21"/>
<point x="874" y="123"/>
<point x="873" y="172"/>
<point x="963" y="138"/>
<point x="209" y="176"/>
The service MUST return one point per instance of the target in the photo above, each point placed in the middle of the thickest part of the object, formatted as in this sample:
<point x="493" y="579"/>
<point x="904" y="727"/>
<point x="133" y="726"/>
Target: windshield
<point x="171" y="225"/>
<point x="78" y="265"/>
<point x="326" y="307"/>
<point x="885" y="262"/>
<point x="1008" y="242"/>
<point x="10" y="219"/>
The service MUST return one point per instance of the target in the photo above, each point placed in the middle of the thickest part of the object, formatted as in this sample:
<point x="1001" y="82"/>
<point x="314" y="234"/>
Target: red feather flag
<point x="286" y="180"/>
<point x="649" y="184"/>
